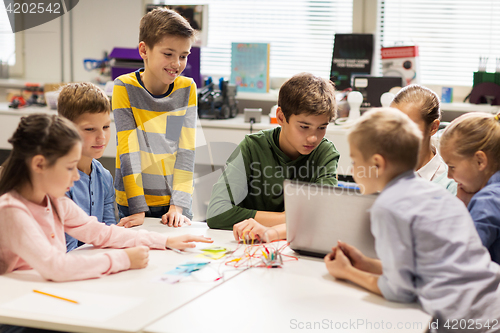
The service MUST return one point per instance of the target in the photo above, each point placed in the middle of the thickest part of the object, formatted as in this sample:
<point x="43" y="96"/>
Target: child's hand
<point x="357" y="259"/>
<point x="186" y="241"/>
<point x="464" y="196"/>
<point x="139" y="256"/>
<point x="132" y="220"/>
<point x="338" y="265"/>
<point x="174" y="217"/>
<point x="253" y="230"/>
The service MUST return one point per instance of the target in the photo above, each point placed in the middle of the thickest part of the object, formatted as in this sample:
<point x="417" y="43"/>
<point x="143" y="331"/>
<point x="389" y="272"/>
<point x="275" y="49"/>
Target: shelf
<point x="468" y="107"/>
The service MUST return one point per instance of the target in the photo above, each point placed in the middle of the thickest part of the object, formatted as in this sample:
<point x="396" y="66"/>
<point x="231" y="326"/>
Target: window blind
<point x="7" y="40"/>
<point x="300" y="32"/>
<point x="451" y="35"/>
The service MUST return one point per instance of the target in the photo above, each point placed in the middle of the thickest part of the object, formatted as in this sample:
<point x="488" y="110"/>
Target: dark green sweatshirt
<point x="253" y="177"/>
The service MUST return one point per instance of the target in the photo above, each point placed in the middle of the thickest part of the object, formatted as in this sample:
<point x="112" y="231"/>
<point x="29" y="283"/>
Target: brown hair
<point x="307" y="93"/>
<point x="161" y="22"/>
<point x="38" y="134"/>
<point x="390" y="133"/>
<point x="473" y="132"/>
<point x="76" y="99"/>
<point x="421" y="97"/>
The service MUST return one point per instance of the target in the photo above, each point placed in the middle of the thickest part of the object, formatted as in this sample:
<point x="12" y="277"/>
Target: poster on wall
<point x="352" y="55"/>
<point x="250" y="66"/>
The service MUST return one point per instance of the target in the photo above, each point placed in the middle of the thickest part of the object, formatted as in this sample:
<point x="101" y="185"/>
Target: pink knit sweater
<point x="32" y="236"/>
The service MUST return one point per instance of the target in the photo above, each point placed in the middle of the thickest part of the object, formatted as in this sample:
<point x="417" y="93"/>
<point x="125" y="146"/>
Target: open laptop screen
<point x="319" y="215"/>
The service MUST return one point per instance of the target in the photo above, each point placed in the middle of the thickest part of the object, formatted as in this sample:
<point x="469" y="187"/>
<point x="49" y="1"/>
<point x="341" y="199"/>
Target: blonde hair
<point x="473" y="132"/>
<point x="161" y="22"/>
<point x="76" y="99"/>
<point x="426" y="100"/>
<point x="390" y="133"/>
<point x="309" y="94"/>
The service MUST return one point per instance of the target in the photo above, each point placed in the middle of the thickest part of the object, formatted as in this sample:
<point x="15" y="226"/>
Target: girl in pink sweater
<point x="35" y="213"/>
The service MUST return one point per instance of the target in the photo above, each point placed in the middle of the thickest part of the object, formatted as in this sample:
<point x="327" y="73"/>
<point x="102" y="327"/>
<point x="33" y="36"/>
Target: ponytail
<point x="426" y="100"/>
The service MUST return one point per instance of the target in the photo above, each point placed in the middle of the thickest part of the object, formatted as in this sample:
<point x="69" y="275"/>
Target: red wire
<point x="254" y="252"/>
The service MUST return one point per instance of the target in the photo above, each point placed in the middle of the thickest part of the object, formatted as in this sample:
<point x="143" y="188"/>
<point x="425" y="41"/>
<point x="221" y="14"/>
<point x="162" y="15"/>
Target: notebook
<point x="318" y="215"/>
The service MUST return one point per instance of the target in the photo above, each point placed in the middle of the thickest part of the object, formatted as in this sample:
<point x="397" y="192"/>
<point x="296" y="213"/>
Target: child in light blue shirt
<point x="95" y="194"/>
<point x="428" y="248"/>
<point x="88" y="107"/>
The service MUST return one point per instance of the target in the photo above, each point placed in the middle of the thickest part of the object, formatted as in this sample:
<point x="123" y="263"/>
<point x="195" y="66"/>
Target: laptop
<point x="319" y="215"/>
<point x="372" y="87"/>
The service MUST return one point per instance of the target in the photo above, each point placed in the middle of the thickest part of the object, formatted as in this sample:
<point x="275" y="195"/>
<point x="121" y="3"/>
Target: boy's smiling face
<point x="302" y="133"/>
<point x="164" y="62"/>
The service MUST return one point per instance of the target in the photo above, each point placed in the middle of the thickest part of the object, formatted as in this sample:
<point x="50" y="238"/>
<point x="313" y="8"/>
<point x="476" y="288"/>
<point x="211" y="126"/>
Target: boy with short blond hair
<point x="76" y="99"/>
<point x="88" y="107"/>
<point x="251" y="187"/>
<point x="155" y="113"/>
<point x="428" y="247"/>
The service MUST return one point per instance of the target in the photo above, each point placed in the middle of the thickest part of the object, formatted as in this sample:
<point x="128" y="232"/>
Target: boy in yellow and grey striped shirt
<point x="155" y="115"/>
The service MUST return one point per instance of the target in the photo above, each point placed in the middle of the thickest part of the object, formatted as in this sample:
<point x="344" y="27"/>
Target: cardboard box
<point x="402" y="61"/>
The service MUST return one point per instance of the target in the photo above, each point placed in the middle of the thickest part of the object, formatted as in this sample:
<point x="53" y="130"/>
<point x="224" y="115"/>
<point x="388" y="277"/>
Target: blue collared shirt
<point x="95" y="194"/>
<point x="484" y="207"/>
<point x="431" y="252"/>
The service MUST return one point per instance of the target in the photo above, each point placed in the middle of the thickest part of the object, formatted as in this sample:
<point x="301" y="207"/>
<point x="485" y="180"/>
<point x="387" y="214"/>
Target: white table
<point x="257" y="299"/>
<point x="300" y="295"/>
<point x="148" y="300"/>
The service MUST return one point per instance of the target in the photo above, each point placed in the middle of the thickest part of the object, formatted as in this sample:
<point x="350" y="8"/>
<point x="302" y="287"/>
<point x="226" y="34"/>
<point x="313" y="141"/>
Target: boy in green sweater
<point x="249" y="194"/>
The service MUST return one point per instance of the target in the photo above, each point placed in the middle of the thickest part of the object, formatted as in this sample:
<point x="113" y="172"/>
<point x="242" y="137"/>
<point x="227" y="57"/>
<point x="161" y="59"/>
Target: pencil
<point x="58" y="297"/>
<point x="175" y="250"/>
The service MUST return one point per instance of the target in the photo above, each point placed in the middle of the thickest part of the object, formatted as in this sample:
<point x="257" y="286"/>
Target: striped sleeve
<point x="182" y="187"/>
<point x="128" y="176"/>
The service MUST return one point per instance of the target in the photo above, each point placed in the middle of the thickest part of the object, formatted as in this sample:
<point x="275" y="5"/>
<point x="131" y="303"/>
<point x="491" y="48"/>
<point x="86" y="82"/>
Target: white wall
<point x="42" y="55"/>
<point x="364" y="20"/>
<point x="98" y="26"/>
